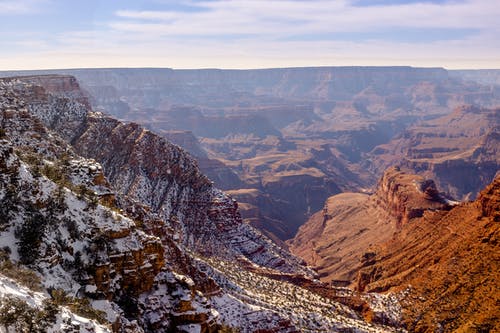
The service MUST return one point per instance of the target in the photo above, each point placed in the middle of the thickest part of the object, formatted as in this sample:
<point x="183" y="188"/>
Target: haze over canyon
<point x="315" y="199"/>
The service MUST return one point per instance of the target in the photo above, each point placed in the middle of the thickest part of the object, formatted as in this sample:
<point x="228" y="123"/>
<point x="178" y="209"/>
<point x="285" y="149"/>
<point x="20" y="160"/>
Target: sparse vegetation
<point x="14" y="312"/>
<point x="30" y="157"/>
<point x="83" y="192"/>
<point x="311" y="312"/>
<point x="55" y="173"/>
<point x="24" y="276"/>
<point x="79" y="306"/>
<point x="30" y="234"/>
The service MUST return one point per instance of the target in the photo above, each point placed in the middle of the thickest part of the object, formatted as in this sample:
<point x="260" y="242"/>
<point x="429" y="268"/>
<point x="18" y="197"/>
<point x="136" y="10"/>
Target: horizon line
<point x="243" y="69"/>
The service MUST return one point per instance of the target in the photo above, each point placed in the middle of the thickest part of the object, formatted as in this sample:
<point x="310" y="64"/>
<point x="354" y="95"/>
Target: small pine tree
<point x="72" y="227"/>
<point x="16" y="312"/>
<point x="8" y="205"/>
<point x="30" y="235"/>
<point x="56" y="203"/>
<point x="8" y="311"/>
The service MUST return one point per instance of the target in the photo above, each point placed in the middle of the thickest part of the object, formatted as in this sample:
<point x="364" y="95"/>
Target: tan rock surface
<point x="348" y="232"/>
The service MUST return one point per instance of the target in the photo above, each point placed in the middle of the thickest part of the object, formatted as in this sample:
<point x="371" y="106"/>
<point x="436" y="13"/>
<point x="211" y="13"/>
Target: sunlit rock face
<point x="116" y="215"/>
<point x="317" y="131"/>
<point x="350" y="229"/>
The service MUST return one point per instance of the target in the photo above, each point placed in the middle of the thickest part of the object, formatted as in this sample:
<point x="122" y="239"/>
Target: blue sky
<point x="248" y="33"/>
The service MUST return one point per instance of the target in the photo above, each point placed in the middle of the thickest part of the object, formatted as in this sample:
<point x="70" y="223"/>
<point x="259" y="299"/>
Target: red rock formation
<point x="450" y="262"/>
<point x="347" y="233"/>
<point x="406" y="196"/>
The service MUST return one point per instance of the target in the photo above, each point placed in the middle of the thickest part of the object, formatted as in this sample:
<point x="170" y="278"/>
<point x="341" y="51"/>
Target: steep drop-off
<point x="134" y="229"/>
<point x="309" y="129"/>
<point x="451" y="262"/>
<point x="460" y="150"/>
<point x="348" y="232"/>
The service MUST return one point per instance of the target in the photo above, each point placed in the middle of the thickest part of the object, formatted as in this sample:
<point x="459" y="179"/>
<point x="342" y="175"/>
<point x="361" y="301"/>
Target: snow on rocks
<point x="112" y="220"/>
<point x="65" y="321"/>
<point x="386" y="307"/>
<point x="251" y="301"/>
<point x="175" y="299"/>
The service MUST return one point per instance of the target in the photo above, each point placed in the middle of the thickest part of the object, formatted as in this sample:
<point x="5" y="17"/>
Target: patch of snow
<point x="190" y="328"/>
<point x="112" y="310"/>
<point x="65" y="320"/>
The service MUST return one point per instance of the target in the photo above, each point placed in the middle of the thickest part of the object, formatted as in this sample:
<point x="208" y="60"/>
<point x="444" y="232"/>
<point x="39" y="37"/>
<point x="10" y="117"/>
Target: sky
<point x="43" y="34"/>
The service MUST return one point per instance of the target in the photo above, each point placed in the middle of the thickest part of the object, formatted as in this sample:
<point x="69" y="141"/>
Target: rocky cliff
<point x="458" y="150"/>
<point x="406" y="196"/>
<point x="317" y="131"/>
<point x="115" y="217"/>
<point x="350" y="229"/>
<point x="59" y="217"/>
<point x="449" y="262"/>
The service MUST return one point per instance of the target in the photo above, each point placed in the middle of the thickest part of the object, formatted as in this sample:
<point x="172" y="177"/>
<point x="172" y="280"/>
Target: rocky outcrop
<point x="459" y="151"/>
<point x="59" y="85"/>
<point x="449" y="262"/>
<point x="347" y="234"/>
<point x="135" y="267"/>
<point x="175" y="302"/>
<point x="406" y="196"/>
<point x="119" y="229"/>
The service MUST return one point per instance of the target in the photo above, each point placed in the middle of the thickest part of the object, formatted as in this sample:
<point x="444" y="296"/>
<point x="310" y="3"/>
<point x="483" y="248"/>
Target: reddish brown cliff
<point x="348" y="232"/>
<point x="406" y="196"/>
<point x="450" y="262"/>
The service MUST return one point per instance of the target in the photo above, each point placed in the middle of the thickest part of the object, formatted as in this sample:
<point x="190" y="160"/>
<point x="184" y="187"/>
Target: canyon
<point x="443" y="255"/>
<point x="119" y="225"/>
<point x="170" y="199"/>
<point x="282" y="141"/>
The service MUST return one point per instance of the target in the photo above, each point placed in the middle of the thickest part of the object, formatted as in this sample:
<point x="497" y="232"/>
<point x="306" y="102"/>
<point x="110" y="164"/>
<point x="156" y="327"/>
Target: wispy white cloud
<point x="276" y="33"/>
<point x="16" y="7"/>
<point x="320" y="16"/>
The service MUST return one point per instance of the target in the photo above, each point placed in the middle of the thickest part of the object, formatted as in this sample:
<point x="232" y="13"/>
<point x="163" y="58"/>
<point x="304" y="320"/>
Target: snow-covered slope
<point x="34" y="312"/>
<point x="112" y="213"/>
